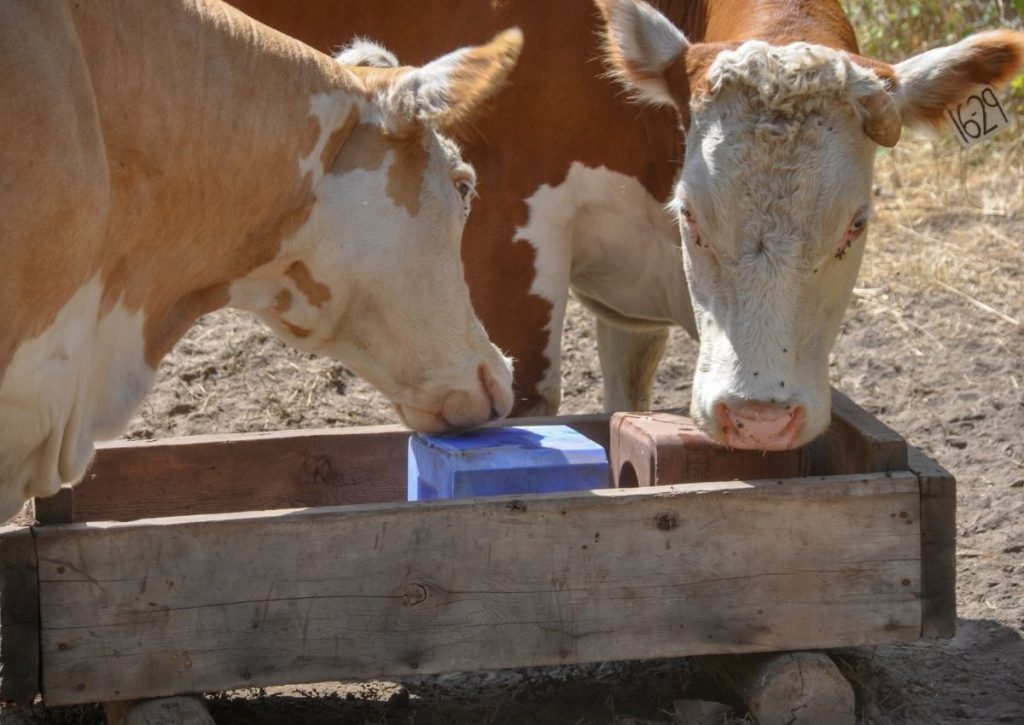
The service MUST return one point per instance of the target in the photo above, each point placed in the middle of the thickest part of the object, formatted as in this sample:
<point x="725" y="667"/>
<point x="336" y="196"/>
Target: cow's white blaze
<point x="78" y="381"/>
<point x="604" y="233"/>
<point x="777" y="167"/>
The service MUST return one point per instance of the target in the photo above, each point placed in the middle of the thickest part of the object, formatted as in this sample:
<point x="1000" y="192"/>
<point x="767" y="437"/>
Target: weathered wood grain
<point x="19" y="616"/>
<point x="262" y="471"/>
<point x="938" y="546"/>
<point x="153" y="608"/>
<point x="251" y="472"/>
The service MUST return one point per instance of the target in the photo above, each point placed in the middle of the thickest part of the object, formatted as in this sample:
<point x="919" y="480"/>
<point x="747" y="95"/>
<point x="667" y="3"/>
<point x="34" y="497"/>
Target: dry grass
<point x="947" y="219"/>
<point x="951" y="220"/>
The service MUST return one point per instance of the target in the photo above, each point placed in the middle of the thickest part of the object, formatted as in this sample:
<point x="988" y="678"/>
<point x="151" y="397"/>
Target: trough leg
<point x="180" y="710"/>
<point x="789" y="688"/>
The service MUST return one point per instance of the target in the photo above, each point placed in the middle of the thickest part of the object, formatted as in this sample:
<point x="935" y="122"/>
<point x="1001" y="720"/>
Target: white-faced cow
<point x="782" y="121"/>
<point x="163" y="159"/>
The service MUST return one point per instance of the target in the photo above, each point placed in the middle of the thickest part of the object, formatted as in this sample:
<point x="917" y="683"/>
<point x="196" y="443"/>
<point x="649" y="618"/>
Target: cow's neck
<point x="776" y="21"/>
<point x="213" y="128"/>
<point x="205" y="138"/>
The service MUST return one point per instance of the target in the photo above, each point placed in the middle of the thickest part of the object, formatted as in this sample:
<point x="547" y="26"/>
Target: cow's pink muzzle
<point x="753" y="425"/>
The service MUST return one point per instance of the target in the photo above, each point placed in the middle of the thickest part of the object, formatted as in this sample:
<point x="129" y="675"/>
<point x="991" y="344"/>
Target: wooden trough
<point x="220" y="562"/>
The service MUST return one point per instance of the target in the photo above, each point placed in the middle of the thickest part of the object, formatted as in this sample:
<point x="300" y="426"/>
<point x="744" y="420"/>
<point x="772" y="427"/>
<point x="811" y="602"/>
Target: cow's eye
<point x="467" y="192"/>
<point x="686" y="214"/>
<point x="856" y="228"/>
<point x="465" y="188"/>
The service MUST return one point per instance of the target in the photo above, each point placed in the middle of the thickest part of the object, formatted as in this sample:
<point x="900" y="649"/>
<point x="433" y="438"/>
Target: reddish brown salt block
<point x="652" y="449"/>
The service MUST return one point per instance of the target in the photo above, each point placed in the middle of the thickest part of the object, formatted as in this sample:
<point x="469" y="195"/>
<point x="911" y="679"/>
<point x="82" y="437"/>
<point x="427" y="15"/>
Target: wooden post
<point x="789" y="688"/>
<point x="19" y="616"/>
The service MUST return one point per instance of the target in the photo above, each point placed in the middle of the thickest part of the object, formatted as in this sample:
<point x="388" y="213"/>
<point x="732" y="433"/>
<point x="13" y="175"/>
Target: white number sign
<point x="978" y="117"/>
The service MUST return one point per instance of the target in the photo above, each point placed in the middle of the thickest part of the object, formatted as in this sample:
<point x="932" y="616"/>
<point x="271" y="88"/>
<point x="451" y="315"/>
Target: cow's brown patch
<point x="317" y="293"/>
<point x="368" y="147"/>
<point x="283" y="302"/>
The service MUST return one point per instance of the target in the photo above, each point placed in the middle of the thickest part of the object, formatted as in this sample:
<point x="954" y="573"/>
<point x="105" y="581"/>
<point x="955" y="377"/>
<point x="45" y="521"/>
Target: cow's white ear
<point x="931" y="82"/>
<point x="448" y="91"/>
<point x="641" y="44"/>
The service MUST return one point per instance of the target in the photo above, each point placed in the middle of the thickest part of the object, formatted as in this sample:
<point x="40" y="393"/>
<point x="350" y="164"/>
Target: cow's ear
<point x="929" y="83"/>
<point x="641" y="46"/>
<point x="448" y="91"/>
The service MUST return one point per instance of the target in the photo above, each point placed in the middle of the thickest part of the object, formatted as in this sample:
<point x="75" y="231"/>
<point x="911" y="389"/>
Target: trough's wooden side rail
<point x="856" y="442"/>
<point x="292" y="469"/>
<point x="251" y="472"/>
<point x="938" y="546"/>
<point x="150" y="608"/>
<point x="19" y="616"/>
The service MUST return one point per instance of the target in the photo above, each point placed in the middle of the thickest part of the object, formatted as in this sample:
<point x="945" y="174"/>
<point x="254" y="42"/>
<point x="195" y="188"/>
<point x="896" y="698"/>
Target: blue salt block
<point x="495" y="461"/>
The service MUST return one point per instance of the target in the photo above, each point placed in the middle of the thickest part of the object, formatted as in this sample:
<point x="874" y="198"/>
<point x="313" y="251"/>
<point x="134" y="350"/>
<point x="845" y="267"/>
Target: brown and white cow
<point x="782" y="121"/>
<point x="163" y="159"/>
<point x="574" y="183"/>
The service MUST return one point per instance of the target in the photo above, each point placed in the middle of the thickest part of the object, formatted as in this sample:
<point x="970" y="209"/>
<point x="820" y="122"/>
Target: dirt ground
<point x="933" y="345"/>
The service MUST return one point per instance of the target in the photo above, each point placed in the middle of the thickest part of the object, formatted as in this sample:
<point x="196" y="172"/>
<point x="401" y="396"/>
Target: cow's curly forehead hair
<point x="790" y="78"/>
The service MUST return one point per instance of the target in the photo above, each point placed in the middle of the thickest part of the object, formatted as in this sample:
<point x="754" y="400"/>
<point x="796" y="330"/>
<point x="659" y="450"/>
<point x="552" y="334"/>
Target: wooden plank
<point x="19" y="616"/>
<point x="856" y="442"/>
<point x="159" y="607"/>
<point x="251" y="472"/>
<point x="938" y="546"/>
<point x="220" y="474"/>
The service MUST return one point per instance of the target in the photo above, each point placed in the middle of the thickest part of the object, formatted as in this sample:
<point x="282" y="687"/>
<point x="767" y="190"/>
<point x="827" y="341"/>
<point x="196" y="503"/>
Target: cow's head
<point x="774" y="198"/>
<point x="373" y="275"/>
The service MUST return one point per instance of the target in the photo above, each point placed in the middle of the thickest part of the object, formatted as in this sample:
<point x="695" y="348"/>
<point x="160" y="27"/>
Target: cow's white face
<point x="773" y="205"/>
<point x="774" y="198"/>
<point x="373" y="275"/>
<point x="402" y="318"/>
